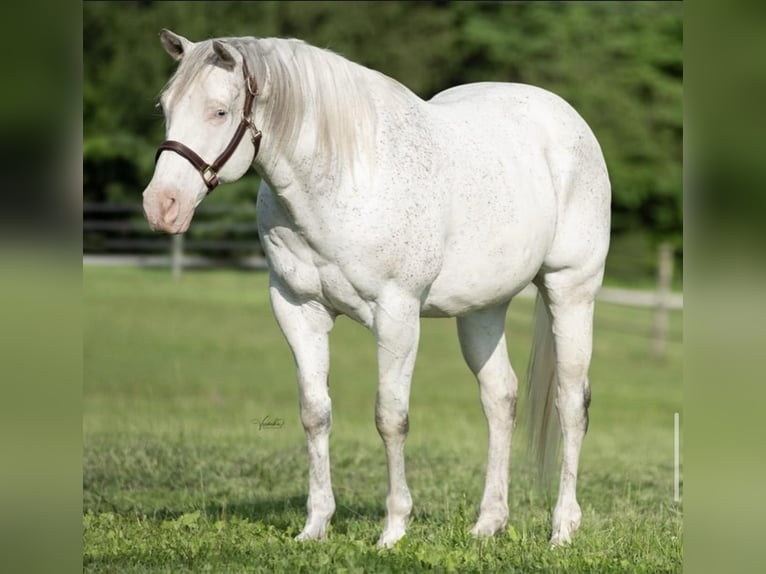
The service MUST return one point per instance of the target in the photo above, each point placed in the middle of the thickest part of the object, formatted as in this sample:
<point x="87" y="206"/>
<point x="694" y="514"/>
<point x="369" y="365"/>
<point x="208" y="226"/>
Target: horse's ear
<point x="224" y="55"/>
<point x="174" y="44"/>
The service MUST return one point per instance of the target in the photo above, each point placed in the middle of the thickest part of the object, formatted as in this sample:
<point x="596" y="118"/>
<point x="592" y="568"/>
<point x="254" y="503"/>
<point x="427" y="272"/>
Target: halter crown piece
<point x="209" y="172"/>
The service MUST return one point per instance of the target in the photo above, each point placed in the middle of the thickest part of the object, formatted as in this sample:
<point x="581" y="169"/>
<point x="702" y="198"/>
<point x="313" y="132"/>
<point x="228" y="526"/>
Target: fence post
<point x="177" y="255"/>
<point x="661" y="314"/>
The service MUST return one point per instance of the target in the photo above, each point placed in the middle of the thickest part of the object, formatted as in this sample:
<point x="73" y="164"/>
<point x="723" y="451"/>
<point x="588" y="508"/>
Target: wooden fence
<point x="227" y="236"/>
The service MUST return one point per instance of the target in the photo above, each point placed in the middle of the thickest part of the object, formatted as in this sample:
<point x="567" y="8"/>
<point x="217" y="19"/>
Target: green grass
<point x="179" y="477"/>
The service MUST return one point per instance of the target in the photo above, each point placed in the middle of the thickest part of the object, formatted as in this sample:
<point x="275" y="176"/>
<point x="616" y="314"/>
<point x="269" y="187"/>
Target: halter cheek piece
<point x="209" y="172"/>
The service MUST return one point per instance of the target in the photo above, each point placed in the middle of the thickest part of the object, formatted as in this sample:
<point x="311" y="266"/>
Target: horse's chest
<point x="292" y="261"/>
<point x="312" y="275"/>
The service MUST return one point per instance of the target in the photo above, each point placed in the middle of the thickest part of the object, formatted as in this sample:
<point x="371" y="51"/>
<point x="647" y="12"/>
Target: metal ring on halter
<point x="213" y="179"/>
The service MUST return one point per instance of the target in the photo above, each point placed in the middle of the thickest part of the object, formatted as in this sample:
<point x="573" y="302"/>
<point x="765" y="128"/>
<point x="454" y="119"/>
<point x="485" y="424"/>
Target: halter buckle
<point x="255" y="133"/>
<point x="209" y="176"/>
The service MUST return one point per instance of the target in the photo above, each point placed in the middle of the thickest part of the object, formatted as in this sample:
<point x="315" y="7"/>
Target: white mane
<point x="305" y="83"/>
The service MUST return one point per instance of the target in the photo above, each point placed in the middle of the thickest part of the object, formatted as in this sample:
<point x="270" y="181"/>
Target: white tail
<point x="543" y="428"/>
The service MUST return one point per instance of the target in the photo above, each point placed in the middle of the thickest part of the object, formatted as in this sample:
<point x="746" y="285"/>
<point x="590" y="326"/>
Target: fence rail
<point x="116" y="234"/>
<point x="223" y="232"/>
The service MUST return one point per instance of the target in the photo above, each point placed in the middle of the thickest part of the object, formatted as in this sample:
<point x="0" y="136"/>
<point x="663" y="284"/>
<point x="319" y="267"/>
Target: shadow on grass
<point x="287" y="513"/>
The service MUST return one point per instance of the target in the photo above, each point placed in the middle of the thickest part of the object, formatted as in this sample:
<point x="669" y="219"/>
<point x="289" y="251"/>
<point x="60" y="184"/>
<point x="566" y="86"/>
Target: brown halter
<point x="209" y="172"/>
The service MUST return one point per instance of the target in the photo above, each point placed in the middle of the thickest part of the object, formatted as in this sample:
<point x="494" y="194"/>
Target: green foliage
<point x="178" y="477"/>
<point x="620" y="65"/>
<point x="621" y="68"/>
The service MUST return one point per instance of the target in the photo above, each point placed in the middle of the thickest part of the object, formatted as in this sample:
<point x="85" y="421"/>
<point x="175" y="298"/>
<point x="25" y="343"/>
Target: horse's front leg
<point x="397" y="328"/>
<point x="306" y="326"/>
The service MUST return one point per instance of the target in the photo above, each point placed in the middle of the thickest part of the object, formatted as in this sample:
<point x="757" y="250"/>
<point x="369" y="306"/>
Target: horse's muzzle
<point x="164" y="211"/>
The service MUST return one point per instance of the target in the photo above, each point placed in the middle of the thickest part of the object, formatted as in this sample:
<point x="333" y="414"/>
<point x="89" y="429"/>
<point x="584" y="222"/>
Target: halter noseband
<point x="209" y="172"/>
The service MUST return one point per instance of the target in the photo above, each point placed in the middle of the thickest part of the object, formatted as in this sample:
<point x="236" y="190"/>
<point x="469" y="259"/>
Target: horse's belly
<point x="500" y="233"/>
<point x="471" y="285"/>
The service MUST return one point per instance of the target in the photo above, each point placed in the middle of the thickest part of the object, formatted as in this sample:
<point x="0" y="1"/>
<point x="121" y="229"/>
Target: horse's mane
<point x="305" y="81"/>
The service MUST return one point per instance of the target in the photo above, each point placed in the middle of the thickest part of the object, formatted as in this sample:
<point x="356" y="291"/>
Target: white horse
<point x="387" y="208"/>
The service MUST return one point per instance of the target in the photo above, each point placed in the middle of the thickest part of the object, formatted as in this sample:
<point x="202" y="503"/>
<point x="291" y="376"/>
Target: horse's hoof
<point x="488" y="527"/>
<point x="311" y="534"/>
<point x="390" y="537"/>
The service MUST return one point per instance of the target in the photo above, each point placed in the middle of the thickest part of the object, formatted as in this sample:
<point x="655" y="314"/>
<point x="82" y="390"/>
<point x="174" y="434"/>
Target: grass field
<point x="178" y="474"/>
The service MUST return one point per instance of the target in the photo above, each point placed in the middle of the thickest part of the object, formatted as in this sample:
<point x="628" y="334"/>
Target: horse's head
<point x="207" y="109"/>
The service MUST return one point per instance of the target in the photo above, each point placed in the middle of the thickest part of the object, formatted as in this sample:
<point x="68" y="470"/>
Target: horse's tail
<point x="542" y="418"/>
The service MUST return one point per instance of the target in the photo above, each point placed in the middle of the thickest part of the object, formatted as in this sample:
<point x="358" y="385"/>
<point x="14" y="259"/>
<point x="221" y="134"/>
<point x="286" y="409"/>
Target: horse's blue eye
<point x="220" y="113"/>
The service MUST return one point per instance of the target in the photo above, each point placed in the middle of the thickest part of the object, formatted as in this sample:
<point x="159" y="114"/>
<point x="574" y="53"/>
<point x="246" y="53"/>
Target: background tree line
<point x="619" y="64"/>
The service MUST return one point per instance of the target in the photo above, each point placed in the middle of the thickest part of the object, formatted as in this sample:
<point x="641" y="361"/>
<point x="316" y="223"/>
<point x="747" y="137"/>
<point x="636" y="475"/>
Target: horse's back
<point x="522" y="116"/>
<point x="519" y="116"/>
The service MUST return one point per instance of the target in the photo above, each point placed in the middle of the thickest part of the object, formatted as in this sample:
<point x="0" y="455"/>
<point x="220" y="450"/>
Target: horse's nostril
<point x="169" y="210"/>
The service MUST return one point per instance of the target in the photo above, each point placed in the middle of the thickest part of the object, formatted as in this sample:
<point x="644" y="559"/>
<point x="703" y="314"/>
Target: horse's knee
<point x="316" y="414"/>
<point x="392" y="424"/>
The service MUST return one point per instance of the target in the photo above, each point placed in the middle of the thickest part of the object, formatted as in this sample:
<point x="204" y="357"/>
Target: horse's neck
<point x="303" y="174"/>
<point x="296" y="174"/>
<point x="300" y="178"/>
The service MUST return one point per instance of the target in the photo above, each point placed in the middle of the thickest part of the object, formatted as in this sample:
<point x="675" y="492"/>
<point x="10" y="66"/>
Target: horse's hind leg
<point x="482" y="340"/>
<point x="572" y="320"/>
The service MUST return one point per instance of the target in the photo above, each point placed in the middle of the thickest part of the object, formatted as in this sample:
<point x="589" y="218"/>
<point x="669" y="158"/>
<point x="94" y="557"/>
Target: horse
<point x="386" y="208"/>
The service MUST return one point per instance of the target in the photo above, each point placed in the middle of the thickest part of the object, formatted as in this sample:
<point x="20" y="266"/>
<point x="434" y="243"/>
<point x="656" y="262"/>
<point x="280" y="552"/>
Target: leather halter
<point x="209" y="172"/>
